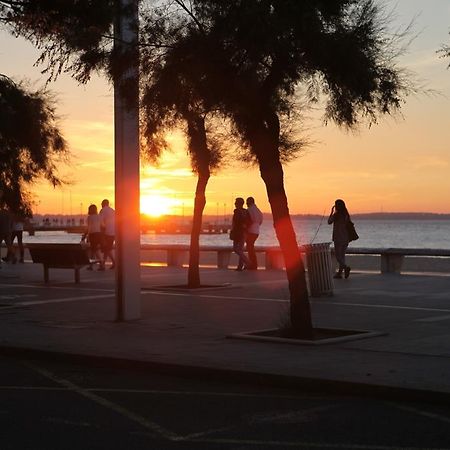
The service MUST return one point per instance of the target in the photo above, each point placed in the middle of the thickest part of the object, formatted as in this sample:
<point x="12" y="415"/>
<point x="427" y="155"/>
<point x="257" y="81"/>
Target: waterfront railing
<point x="383" y="260"/>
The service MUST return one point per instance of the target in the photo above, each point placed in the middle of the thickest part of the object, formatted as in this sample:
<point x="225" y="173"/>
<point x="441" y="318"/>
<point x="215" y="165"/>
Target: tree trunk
<point x="265" y="146"/>
<point x="194" y="249"/>
<point x="299" y="303"/>
<point x="200" y="158"/>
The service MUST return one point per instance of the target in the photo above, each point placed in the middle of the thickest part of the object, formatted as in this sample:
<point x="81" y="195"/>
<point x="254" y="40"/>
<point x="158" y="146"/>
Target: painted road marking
<point x="278" y="300"/>
<point x="152" y="426"/>
<point x="218" y="297"/>
<point x="209" y="394"/>
<point x="421" y="412"/>
<point x="63" y="288"/>
<point x="63" y="300"/>
<point x="60" y="421"/>
<point x="299" y="444"/>
<point x="433" y="319"/>
<point x="32" y="388"/>
<point x="15" y="296"/>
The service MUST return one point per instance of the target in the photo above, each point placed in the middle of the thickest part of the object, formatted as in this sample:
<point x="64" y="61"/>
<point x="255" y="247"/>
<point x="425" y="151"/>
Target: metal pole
<point x="126" y="148"/>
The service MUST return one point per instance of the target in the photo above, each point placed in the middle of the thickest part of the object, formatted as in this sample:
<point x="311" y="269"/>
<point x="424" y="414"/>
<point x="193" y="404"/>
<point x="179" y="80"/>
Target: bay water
<point x="394" y="233"/>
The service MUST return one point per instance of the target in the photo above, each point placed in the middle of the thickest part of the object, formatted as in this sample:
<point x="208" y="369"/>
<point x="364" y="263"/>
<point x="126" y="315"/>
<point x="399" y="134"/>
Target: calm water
<point x="373" y="233"/>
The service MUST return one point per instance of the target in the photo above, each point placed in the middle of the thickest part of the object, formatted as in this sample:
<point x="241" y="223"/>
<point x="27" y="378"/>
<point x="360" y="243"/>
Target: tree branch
<point x="190" y="14"/>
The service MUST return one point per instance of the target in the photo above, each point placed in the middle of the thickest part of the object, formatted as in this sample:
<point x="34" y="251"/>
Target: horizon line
<point x="270" y="213"/>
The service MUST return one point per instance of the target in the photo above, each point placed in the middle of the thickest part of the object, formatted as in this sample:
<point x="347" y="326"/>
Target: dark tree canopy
<point x="74" y="36"/>
<point x="31" y="143"/>
<point x="445" y="52"/>
<point x="264" y="49"/>
<point x="171" y="100"/>
<point x="253" y="55"/>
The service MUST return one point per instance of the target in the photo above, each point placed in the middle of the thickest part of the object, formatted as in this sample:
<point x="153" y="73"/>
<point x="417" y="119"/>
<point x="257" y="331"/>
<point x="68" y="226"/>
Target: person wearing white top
<point x="17" y="232"/>
<point x="6" y="223"/>
<point x="108" y="218"/>
<point x="255" y="217"/>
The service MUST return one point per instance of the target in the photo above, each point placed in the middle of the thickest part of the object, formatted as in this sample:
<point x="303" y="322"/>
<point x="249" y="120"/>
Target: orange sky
<point x="402" y="164"/>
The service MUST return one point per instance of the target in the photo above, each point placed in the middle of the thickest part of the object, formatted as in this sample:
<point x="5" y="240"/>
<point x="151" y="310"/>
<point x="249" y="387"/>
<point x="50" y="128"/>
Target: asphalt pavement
<point x="52" y="405"/>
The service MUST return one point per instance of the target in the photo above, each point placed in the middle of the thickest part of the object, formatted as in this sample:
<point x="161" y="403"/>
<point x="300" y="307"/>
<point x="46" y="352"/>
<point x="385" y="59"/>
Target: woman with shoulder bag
<point x="340" y="218"/>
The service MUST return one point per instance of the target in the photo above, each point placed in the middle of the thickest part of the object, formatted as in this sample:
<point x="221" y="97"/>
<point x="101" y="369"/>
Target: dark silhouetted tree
<point x="31" y="144"/>
<point x="444" y="51"/>
<point x="74" y="36"/>
<point x="170" y="101"/>
<point x="257" y="53"/>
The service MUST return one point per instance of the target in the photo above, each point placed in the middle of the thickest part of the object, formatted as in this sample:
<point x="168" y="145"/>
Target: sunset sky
<point x="402" y="164"/>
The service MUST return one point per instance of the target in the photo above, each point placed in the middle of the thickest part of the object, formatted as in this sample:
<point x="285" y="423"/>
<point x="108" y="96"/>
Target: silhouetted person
<point x="340" y="219"/>
<point x="17" y="233"/>
<point x="6" y="224"/>
<point x="94" y="235"/>
<point x="255" y="219"/>
<point x="238" y="230"/>
<point x="108" y="220"/>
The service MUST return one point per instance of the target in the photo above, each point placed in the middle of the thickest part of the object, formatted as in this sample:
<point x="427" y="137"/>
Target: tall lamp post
<point x="126" y="150"/>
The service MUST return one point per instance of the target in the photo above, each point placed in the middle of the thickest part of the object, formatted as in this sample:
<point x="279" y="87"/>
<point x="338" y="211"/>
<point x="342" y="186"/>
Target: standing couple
<point x="245" y="230"/>
<point x="100" y="234"/>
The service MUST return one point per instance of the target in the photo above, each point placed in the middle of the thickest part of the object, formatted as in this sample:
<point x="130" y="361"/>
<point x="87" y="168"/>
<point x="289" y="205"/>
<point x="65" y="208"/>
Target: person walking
<point x="255" y="219"/>
<point x="94" y="237"/>
<point x="238" y="232"/>
<point x="6" y="223"/>
<point x="108" y="219"/>
<point x="340" y="218"/>
<point x="17" y="233"/>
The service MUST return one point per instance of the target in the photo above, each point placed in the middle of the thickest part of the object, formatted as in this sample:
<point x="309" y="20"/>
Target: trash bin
<point x="318" y="263"/>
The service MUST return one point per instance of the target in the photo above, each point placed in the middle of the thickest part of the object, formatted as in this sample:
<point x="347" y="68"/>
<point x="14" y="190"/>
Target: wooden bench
<point x="59" y="256"/>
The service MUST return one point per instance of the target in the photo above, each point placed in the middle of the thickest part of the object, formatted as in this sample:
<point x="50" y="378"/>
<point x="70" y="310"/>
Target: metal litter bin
<point x="318" y="263"/>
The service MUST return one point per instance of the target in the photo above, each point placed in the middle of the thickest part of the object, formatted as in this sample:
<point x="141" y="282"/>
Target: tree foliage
<point x="171" y="100"/>
<point x="444" y="52"/>
<point x="74" y="36"/>
<point x="253" y="56"/>
<point x="31" y="144"/>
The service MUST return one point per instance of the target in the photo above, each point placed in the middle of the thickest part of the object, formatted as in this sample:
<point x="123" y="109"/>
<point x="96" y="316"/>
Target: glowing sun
<point x="156" y="205"/>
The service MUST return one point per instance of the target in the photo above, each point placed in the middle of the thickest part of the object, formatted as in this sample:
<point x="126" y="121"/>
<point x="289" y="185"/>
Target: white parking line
<point x="421" y="412"/>
<point x="278" y="300"/>
<point x="209" y="394"/>
<point x="32" y="388"/>
<point x="434" y="319"/>
<point x="62" y="288"/>
<point x="16" y="296"/>
<point x="409" y="308"/>
<point x="229" y="297"/>
<point x="220" y="297"/>
<point x="299" y="444"/>
<point x="62" y="300"/>
<point x="155" y="428"/>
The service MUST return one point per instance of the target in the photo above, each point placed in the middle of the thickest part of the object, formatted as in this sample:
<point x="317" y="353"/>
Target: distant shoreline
<point x="268" y="216"/>
<point x="384" y="216"/>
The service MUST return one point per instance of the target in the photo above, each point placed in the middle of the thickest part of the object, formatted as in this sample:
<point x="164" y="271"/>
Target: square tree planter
<point x="321" y="336"/>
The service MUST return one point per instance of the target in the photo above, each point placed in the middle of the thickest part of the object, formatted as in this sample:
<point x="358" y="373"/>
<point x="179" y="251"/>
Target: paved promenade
<point x="187" y="332"/>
